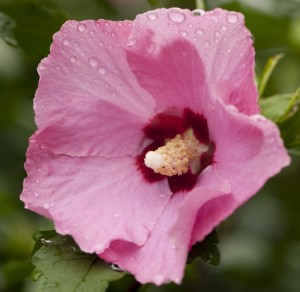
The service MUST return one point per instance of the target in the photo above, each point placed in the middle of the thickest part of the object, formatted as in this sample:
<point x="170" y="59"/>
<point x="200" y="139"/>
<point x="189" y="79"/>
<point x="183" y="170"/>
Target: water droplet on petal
<point x="36" y="194"/>
<point x="198" y="12"/>
<point x="224" y="27"/>
<point x="183" y="33"/>
<point x="99" y="248"/>
<point x="65" y="42"/>
<point x="176" y="16"/>
<point x="158" y="279"/>
<point x="102" y="70"/>
<point x="46" y="206"/>
<point x="73" y="59"/>
<point x="217" y="34"/>
<point x="81" y="27"/>
<point x="131" y="42"/>
<point x="199" y="31"/>
<point x="232" y="18"/>
<point x="93" y="62"/>
<point x="207" y="43"/>
<point x="152" y="16"/>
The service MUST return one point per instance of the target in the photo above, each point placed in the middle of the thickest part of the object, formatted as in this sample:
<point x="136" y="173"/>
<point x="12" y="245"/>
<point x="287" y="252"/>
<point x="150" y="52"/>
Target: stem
<point x="266" y="74"/>
<point x="200" y="4"/>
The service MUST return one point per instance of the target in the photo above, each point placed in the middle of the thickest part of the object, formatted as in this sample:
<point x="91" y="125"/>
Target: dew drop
<point x="217" y="34"/>
<point x="91" y="32"/>
<point x="158" y="278"/>
<point x="232" y="18"/>
<point x="131" y="42"/>
<point x="65" y="42"/>
<point x="224" y="27"/>
<point x="113" y="34"/>
<point x="183" y="33"/>
<point x="99" y="248"/>
<point x="73" y="59"/>
<point x="81" y="27"/>
<point x="207" y="43"/>
<point x="46" y="241"/>
<point x="198" y="12"/>
<point x="36" y="194"/>
<point x="176" y="17"/>
<point x="93" y="62"/>
<point x="152" y="16"/>
<point x="46" y="206"/>
<point x="102" y="70"/>
<point x="199" y="31"/>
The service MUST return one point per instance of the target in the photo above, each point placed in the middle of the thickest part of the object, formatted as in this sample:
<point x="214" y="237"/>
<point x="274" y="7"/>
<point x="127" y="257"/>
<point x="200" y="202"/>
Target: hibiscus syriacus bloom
<point x="149" y="135"/>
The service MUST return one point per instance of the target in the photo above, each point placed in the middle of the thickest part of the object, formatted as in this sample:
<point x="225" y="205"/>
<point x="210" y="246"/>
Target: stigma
<point x="177" y="156"/>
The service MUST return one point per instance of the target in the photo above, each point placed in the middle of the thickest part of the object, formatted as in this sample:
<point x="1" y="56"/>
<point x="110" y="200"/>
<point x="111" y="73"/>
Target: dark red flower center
<point x="166" y="126"/>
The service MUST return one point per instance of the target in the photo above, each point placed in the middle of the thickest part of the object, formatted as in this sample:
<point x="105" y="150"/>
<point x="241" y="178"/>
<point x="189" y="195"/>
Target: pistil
<point x="177" y="155"/>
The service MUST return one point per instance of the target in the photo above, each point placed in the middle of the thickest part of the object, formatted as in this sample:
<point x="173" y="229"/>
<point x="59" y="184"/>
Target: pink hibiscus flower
<point x="148" y="136"/>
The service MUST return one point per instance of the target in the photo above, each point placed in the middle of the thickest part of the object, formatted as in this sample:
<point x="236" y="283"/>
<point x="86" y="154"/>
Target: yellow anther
<point x="176" y="156"/>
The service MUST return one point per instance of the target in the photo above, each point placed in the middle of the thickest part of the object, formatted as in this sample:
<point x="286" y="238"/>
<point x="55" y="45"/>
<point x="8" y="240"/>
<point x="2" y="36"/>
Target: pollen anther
<point x="175" y="157"/>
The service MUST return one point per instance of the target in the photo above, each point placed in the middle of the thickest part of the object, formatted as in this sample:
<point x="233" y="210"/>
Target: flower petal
<point x="86" y="82"/>
<point x="249" y="150"/>
<point x="162" y="54"/>
<point x="102" y="129"/>
<point x="96" y="200"/>
<point x="163" y="257"/>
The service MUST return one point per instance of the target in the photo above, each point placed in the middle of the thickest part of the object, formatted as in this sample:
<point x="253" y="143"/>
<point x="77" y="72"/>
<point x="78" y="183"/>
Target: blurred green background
<point x="260" y="244"/>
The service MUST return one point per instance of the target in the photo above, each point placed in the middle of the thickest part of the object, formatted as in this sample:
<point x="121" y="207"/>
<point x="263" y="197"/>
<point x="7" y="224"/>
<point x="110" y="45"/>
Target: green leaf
<point x="207" y="250"/>
<point x="154" y="2"/>
<point x="279" y="108"/>
<point x="200" y="4"/>
<point x="267" y="72"/>
<point x="61" y="266"/>
<point x="29" y="25"/>
<point x="7" y="25"/>
<point x="290" y="129"/>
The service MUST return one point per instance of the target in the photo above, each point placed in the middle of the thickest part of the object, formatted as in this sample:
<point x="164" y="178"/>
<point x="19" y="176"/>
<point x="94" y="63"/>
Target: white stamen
<point x="154" y="160"/>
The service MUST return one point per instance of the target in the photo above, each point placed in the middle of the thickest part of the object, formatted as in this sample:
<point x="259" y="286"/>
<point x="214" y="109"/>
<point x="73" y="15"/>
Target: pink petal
<point x="249" y="151"/>
<point x="102" y="129"/>
<point x="174" y="76"/>
<point x="163" y="257"/>
<point x="162" y="53"/>
<point x="94" y="199"/>
<point x="87" y="89"/>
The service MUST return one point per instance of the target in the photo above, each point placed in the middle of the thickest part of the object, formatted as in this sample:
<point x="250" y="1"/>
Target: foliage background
<point x="260" y="244"/>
